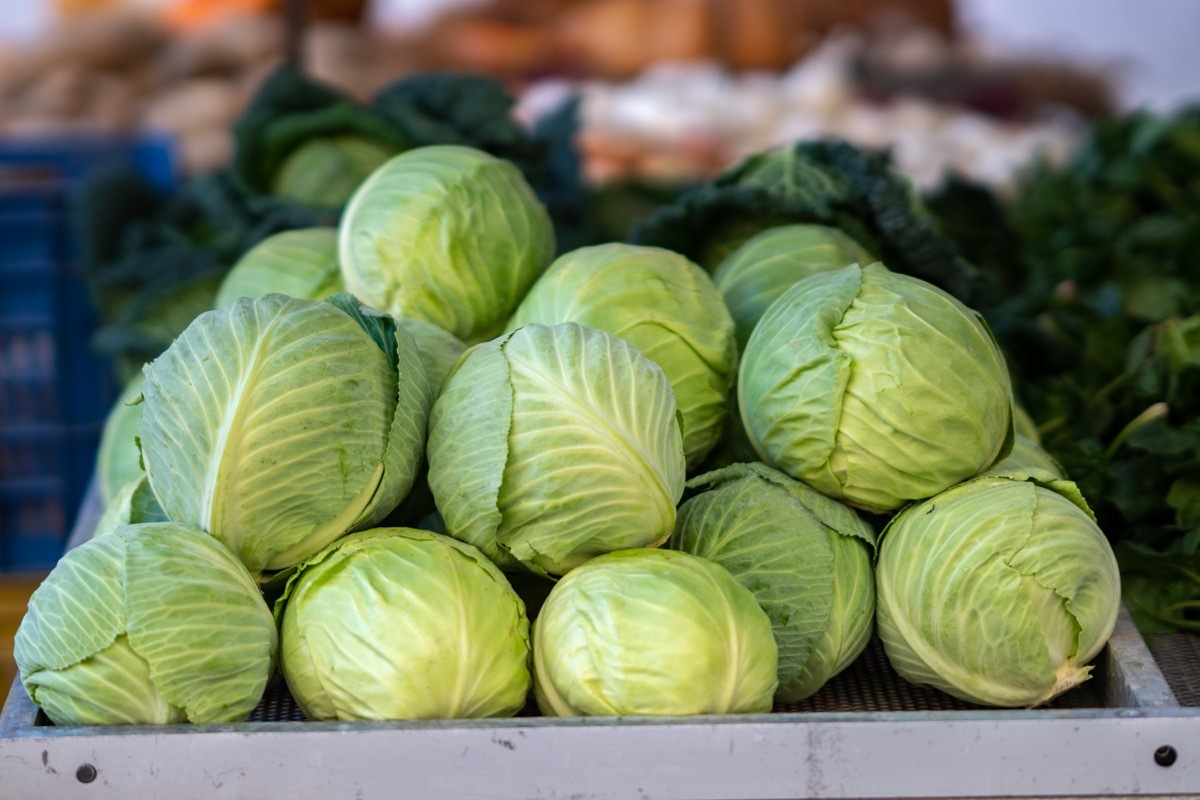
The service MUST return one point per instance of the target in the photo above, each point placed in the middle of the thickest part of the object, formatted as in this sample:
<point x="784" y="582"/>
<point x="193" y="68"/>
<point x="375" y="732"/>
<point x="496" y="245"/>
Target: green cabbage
<point x="553" y="444"/>
<point x="396" y="623"/>
<point x="806" y="557"/>
<point x="325" y="170"/>
<point x="279" y="424"/>
<point x="997" y="591"/>
<point x="655" y="632"/>
<point x="757" y="272"/>
<point x="299" y="263"/>
<point x="151" y="624"/>
<point x="875" y="388"/>
<point x="448" y="234"/>
<point x="662" y="304"/>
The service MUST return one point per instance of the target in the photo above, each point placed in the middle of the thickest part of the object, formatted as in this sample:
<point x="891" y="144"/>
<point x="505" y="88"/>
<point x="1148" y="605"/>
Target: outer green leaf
<point x="112" y="687"/>
<point x="77" y="611"/>
<point x="468" y="447"/>
<point x="395" y="623"/>
<point x="662" y="304"/>
<point x="1028" y="459"/>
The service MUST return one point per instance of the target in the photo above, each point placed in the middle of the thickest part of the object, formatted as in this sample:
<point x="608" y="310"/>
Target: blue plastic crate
<point x="54" y="391"/>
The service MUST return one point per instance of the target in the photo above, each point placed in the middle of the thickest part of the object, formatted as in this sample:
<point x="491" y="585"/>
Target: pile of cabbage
<point x="471" y="472"/>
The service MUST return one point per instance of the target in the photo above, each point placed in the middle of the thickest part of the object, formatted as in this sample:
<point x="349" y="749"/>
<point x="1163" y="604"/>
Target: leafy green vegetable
<point x="652" y="632"/>
<point x="150" y="624"/>
<point x="448" y="234"/>
<point x="299" y="263"/>
<point x="806" y="558"/>
<point x="824" y="182"/>
<point x="874" y="388"/>
<point x="662" y="304"/>
<point x="997" y="591"/>
<point x="553" y="444"/>
<point x="132" y="504"/>
<point x="305" y="143"/>
<point x="396" y="623"/>
<point x="279" y="424"/>
<point x="767" y="265"/>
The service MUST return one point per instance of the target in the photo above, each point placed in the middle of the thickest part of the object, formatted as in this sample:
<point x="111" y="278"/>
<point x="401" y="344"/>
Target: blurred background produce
<point x="1003" y="114"/>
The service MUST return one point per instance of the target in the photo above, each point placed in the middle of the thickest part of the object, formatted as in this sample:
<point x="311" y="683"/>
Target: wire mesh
<point x="1178" y="656"/>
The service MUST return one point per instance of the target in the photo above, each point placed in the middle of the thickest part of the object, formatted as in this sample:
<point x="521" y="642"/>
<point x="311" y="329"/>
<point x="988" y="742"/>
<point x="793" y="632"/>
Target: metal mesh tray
<point x="1178" y="657"/>
<point x="866" y="686"/>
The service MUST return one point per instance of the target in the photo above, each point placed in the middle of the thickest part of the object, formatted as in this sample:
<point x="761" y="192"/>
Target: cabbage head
<point x="662" y="304"/>
<point x="324" y="171"/>
<point x="118" y="460"/>
<point x="997" y="591"/>
<point x="806" y="557"/>
<point x="278" y="424"/>
<point x="299" y="263"/>
<point x="553" y="444"/>
<point x="757" y="272"/>
<point x="875" y="388"/>
<point x="654" y="632"/>
<point x="151" y="624"/>
<point x="134" y="503"/>
<point x="397" y="623"/>
<point x="448" y="234"/>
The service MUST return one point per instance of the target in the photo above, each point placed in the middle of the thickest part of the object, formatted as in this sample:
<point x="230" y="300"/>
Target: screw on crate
<point x="1165" y="756"/>
<point x="86" y="773"/>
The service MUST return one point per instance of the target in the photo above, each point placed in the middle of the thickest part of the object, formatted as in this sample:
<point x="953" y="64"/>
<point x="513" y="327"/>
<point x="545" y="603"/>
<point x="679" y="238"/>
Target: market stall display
<point x="470" y="445"/>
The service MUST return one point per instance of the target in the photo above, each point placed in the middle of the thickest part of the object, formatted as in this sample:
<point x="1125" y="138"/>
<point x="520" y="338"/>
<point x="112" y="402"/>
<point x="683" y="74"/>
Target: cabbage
<point x="151" y="624"/>
<point x="553" y="444"/>
<point x="325" y="170"/>
<point x="298" y="263"/>
<point x="662" y="304"/>
<point x="395" y="623"/>
<point x="447" y="234"/>
<point x="875" y="388"/>
<point x="997" y="591"/>
<point x="118" y="460"/>
<point x="767" y="265"/>
<point x="279" y="424"/>
<point x="806" y="558"/>
<point x="652" y="632"/>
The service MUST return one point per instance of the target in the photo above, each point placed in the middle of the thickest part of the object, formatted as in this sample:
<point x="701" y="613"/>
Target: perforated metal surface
<point x="1178" y="656"/>
<point x="868" y="685"/>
